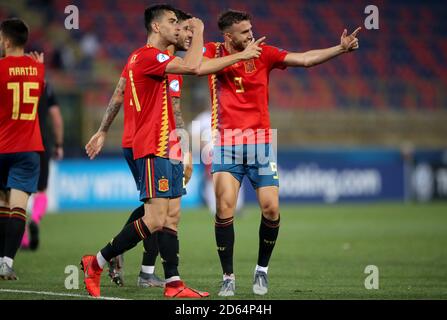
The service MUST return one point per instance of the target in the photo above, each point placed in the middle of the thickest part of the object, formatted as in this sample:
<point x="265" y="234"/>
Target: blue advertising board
<point x="305" y="175"/>
<point x="329" y="176"/>
<point x="77" y="185"/>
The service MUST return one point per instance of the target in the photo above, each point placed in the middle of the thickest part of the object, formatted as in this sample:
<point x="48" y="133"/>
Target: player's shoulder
<point x="22" y="60"/>
<point x="154" y="53"/>
<point x="268" y="47"/>
<point x="211" y="47"/>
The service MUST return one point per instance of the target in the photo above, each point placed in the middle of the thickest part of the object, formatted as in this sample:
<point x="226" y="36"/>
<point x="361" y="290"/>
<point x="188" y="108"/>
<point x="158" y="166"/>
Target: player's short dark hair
<point x="230" y="17"/>
<point x="16" y="31"/>
<point x="181" y="15"/>
<point x="153" y="12"/>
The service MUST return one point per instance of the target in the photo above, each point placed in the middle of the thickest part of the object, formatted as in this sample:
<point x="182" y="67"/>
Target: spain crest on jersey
<point x="250" y="66"/>
<point x="163" y="185"/>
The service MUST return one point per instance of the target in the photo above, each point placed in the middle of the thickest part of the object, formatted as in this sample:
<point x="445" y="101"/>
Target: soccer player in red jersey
<point x="147" y="277"/>
<point x="240" y="120"/>
<point x="21" y="85"/>
<point x="155" y="148"/>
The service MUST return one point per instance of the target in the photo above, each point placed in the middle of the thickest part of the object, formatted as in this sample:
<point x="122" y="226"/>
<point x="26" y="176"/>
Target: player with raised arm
<point x="147" y="276"/>
<point x="21" y="85"/>
<point x="155" y="148"/>
<point x="241" y="124"/>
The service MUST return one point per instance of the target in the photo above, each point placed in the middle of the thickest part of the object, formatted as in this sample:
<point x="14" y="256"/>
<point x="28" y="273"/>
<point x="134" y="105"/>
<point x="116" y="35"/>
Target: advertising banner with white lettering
<point x="83" y="185"/>
<point x="429" y="175"/>
<point x="331" y="176"/>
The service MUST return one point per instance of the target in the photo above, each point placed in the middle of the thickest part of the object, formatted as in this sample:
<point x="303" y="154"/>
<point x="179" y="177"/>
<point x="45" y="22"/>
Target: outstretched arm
<point x="190" y="64"/>
<point x="96" y="143"/>
<point x="209" y="66"/>
<point x="314" y="57"/>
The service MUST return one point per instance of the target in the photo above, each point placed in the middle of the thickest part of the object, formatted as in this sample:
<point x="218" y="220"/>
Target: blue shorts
<point x="160" y="178"/>
<point x="256" y="161"/>
<point x="132" y="163"/>
<point x="19" y="171"/>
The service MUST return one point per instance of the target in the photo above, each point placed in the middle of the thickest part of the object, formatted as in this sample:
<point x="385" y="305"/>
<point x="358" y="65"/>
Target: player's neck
<point x="156" y="41"/>
<point x="230" y="48"/>
<point x="171" y="49"/>
<point x="14" y="52"/>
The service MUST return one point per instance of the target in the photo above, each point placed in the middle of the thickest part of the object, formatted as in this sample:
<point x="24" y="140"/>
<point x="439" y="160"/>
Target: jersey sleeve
<point x="275" y="57"/>
<point x="175" y="85"/>
<point x="209" y="50"/>
<point x="154" y="63"/>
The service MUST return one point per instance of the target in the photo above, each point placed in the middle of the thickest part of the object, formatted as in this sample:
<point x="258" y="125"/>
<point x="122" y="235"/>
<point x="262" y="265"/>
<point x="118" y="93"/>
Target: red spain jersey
<point x="175" y="85"/>
<point x="154" y="118"/>
<point x="240" y="95"/>
<point x="175" y="89"/>
<point x="21" y="85"/>
<point x="129" y="121"/>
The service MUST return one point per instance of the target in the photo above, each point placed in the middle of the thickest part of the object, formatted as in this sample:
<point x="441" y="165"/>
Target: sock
<point x="268" y="233"/>
<point x="4" y="218"/>
<point x="8" y="261"/>
<point x="224" y="232"/>
<point x="147" y="269"/>
<point x="136" y="214"/>
<point x="263" y="269"/>
<point x="14" y="232"/>
<point x="126" y="239"/>
<point x="100" y="260"/>
<point x="169" y="251"/>
<point x="39" y="207"/>
<point x="150" y="250"/>
<point x="228" y="276"/>
<point x="170" y="281"/>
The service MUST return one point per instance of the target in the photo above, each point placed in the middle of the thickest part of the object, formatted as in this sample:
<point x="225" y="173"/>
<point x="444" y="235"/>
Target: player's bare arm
<point x="180" y="124"/>
<point x="190" y="64"/>
<point x="58" y="131"/>
<point x="209" y="66"/>
<point x="96" y="143"/>
<point x="314" y="57"/>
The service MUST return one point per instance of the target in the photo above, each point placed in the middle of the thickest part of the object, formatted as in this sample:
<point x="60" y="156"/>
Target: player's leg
<point x="22" y="181"/>
<point x="168" y="240"/>
<point x="14" y="231"/>
<point x="226" y="188"/>
<point x="269" y="227"/>
<point x="116" y="264"/>
<point x="40" y="204"/>
<point x="134" y="232"/>
<point x="4" y="205"/>
<point x="264" y="177"/>
<point x="4" y="218"/>
<point x="147" y="277"/>
<point x="150" y="244"/>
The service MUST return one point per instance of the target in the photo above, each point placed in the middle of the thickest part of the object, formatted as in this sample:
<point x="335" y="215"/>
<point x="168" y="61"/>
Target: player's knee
<point x="270" y="210"/>
<point x="172" y="222"/>
<point x="225" y="209"/>
<point x="153" y="222"/>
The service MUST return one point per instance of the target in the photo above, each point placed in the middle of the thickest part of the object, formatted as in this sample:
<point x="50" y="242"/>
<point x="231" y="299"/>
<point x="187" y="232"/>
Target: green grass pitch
<point x="321" y="253"/>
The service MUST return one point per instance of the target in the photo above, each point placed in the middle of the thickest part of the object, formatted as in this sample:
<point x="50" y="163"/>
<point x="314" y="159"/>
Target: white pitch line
<point x="49" y="293"/>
